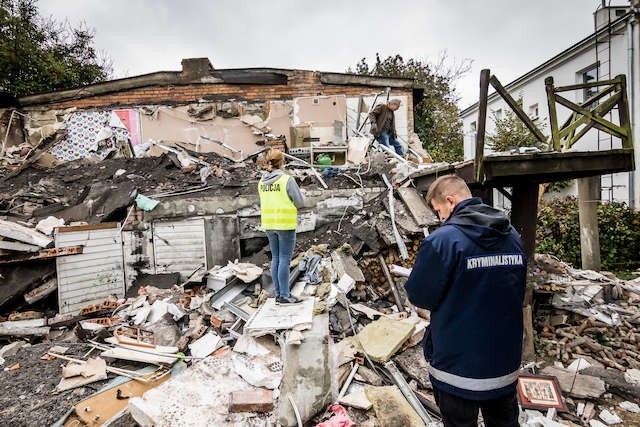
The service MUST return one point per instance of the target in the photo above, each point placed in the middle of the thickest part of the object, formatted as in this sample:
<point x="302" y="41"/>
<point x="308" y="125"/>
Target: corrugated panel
<point x="89" y="277"/>
<point x="179" y="246"/>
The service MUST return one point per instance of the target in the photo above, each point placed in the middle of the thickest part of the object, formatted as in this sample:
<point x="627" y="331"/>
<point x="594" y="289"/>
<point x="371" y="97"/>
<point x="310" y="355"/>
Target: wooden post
<point x="524" y="214"/>
<point x="517" y="109"/>
<point x="623" y="113"/>
<point x="553" y="115"/>
<point x="481" y="125"/>
<point x="588" y="198"/>
<point x="528" y="348"/>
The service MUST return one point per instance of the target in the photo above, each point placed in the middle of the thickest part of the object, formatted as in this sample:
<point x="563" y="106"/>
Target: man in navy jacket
<point x="471" y="273"/>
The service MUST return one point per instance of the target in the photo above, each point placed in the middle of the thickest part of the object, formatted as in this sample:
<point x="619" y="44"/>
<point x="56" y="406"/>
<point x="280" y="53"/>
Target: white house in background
<point x="614" y="48"/>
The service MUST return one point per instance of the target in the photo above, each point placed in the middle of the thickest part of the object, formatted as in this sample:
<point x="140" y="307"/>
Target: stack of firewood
<point x="613" y="346"/>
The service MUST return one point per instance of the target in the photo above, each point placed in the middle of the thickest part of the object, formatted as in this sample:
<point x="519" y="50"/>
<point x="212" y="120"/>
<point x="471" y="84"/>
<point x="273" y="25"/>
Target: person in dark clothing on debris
<point x="383" y="125"/>
<point x="280" y="198"/>
<point x="470" y="273"/>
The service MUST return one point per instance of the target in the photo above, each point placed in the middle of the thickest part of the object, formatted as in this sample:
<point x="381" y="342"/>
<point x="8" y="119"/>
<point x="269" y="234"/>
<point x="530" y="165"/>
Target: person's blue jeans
<point x="281" y="243"/>
<point x="385" y="138"/>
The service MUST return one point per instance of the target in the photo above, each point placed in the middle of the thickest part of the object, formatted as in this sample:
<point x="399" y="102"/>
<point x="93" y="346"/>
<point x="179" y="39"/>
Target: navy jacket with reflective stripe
<point x="470" y="273"/>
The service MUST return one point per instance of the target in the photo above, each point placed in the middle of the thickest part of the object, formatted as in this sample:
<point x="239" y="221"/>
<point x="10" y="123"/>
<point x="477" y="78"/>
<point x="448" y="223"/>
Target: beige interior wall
<point x="175" y="125"/>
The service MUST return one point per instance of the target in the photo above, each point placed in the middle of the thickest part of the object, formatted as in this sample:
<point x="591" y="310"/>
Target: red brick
<point x="259" y="400"/>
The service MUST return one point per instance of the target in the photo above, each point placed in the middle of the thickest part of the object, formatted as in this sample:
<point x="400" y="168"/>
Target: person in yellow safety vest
<point x="280" y="198"/>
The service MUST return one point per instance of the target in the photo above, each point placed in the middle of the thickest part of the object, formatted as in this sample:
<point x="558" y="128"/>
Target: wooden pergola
<point x="524" y="172"/>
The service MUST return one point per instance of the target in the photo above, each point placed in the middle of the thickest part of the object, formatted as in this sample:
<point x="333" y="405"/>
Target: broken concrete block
<point x="259" y="400"/>
<point x="576" y="385"/>
<point x="632" y="376"/>
<point x="205" y="345"/>
<point x="630" y="407"/>
<point x="382" y="338"/>
<point x="356" y="400"/>
<point x="609" y="418"/>
<point x="308" y="375"/>
<point x="197" y="396"/>
<point x="391" y="408"/>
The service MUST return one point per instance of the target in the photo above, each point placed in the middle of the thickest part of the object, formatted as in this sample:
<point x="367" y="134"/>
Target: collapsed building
<point x="232" y="113"/>
<point x="130" y="234"/>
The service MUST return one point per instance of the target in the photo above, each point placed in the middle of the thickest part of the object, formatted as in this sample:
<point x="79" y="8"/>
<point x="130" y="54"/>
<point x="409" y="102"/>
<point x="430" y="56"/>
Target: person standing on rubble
<point x="383" y="125"/>
<point x="280" y="199"/>
<point x="471" y="273"/>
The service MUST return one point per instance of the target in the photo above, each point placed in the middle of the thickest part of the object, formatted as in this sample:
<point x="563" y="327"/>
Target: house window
<point x="534" y="112"/>
<point x="590" y="76"/>
<point x="473" y="127"/>
<point x="498" y="114"/>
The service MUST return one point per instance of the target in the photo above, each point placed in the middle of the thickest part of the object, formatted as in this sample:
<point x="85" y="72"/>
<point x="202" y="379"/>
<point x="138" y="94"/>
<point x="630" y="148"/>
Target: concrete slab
<point x="391" y="408"/>
<point x="198" y="396"/>
<point x="308" y="374"/>
<point x="382" y="338"/>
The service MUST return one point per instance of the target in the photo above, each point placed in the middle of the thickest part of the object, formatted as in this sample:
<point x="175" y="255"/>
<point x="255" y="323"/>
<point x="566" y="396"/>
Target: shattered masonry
<point x="132" y="255"/>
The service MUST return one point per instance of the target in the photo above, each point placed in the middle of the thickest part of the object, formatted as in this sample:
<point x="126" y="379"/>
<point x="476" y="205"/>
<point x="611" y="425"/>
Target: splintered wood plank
<point x="24" y="234"/>
<point x="105" y="405"/>
<point x="41" y="291"/>
<point x="417" y="206"/>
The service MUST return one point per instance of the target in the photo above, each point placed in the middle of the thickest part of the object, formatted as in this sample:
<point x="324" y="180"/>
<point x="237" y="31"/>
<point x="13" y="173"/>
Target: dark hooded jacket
<point x="470" y="273"/>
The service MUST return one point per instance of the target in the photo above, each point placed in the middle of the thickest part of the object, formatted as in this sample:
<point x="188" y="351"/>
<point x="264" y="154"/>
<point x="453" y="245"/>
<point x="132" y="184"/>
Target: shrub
<point x="558" y="233"/>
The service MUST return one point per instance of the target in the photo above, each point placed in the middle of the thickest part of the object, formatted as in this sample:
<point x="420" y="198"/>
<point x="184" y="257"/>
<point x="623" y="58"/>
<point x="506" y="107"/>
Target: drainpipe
<point x="631" y="91"/>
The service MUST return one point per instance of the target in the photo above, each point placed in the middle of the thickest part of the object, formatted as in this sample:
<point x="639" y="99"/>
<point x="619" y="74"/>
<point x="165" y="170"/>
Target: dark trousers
<point x="459" y="412"/>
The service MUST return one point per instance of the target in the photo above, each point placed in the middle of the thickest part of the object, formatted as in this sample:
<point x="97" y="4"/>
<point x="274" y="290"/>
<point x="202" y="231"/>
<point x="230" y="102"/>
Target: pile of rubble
<point x="214" y="337"/>
<point x="209" y="346"/>
<point x="586" y="325"/>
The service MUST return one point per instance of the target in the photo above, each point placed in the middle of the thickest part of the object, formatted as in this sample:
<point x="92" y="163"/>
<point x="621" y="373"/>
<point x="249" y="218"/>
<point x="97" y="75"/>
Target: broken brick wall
<point x="231" y="119"/>
<point x="300" y="83"/>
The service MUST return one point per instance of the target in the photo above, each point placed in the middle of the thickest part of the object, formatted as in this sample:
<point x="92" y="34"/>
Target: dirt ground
<point x="27" y="395"/>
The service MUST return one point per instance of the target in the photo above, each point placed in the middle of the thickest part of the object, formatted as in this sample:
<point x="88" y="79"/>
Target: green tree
<point x="436" y="116"/>
<point x="511" y="132"/>
<point x="41" y="54"/>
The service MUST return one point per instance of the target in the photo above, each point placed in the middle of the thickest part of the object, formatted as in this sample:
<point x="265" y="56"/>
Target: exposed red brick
<point x="259" y="400"/>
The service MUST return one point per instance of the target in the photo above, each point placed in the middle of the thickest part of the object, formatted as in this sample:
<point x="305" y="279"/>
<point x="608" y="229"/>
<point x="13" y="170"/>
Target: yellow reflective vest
<point x="277" y="210"/>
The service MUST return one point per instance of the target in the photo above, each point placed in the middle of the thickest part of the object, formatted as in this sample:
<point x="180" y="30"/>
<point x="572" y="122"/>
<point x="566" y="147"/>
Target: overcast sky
<point x="508" y="36"/>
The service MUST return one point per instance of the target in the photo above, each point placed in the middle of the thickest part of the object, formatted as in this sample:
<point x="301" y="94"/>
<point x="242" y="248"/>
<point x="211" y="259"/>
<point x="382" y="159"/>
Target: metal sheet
<point x="93" y="275"/>
<point x="179" y="246"/>
<point x="137" y="246"/>
<point x="223" y="239"/>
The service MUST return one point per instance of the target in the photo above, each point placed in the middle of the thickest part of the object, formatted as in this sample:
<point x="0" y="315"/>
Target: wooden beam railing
<point x="590" y="113"/>
<point x="584" y="116"/>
